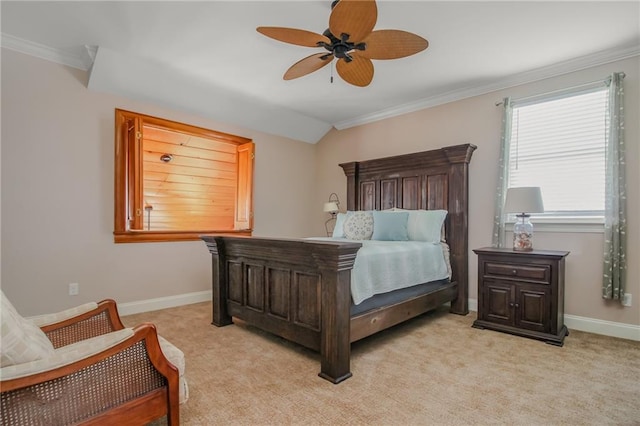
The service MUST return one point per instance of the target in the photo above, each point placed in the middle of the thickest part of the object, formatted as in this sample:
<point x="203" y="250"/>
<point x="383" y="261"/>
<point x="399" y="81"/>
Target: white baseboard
<point x="140" y="306"/>
<point x="591" y="325"/>
<point x="473" y="305"/>
<point x="608" y="328"/>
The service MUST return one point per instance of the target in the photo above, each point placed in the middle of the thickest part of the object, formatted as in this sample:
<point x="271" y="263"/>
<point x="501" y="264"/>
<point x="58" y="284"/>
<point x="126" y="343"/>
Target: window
<point x="558" y="144"/>
<point x="175" y="182"/>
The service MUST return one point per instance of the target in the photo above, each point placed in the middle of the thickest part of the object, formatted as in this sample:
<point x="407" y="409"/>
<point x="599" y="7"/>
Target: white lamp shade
<point x="526" y="199"/>
<point x="330" y="207"/>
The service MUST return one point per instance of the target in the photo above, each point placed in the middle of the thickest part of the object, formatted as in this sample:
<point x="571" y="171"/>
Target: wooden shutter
<point x="134" y="163"/>
<point x="244" y="191"/>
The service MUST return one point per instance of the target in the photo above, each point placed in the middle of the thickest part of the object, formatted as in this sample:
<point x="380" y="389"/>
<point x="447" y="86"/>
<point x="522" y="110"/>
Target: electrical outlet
<point x="626" y="300"/>
<point x="74" y="289"/>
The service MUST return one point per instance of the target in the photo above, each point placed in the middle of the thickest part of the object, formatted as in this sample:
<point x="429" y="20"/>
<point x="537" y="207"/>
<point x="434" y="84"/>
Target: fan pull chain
<point x="332" y="72"/>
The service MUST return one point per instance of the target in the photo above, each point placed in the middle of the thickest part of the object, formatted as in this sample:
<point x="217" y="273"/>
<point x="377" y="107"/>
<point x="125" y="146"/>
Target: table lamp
<point x="523" y="200"/>
<point x="331" y="207"/>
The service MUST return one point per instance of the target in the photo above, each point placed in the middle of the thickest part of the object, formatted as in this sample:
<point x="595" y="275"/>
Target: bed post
<point x="351" y="171"/>
<point x="459" y="157"/>
<point x="218" y="273"/>
<point x="335" y="264"/>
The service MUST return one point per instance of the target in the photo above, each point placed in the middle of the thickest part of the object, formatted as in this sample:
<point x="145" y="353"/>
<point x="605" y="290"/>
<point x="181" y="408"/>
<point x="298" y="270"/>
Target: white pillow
<point x="22" y="341"/>
<point x="359" y="226"/>
<point x="425" y="225"/>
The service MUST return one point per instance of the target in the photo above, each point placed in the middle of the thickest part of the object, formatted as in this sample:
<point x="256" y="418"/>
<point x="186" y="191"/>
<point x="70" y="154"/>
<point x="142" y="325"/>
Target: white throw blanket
<point x="383" y="266"/>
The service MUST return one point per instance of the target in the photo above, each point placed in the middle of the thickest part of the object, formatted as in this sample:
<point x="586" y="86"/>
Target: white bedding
<point x="383" y="266"/>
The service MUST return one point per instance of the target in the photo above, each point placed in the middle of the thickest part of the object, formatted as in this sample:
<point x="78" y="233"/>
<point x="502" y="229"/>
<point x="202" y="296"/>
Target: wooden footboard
<point x="297" y="289"/>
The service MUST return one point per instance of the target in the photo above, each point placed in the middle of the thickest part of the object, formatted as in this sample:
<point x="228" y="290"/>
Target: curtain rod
<point x="606" y="80"/>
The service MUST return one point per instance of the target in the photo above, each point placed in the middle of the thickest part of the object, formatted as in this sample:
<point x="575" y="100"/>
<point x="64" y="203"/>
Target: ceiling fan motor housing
<point x="341" y="47"/>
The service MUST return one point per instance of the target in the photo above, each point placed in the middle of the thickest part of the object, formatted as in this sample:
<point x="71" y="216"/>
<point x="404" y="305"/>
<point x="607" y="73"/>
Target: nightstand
<point x="522" y="293"/>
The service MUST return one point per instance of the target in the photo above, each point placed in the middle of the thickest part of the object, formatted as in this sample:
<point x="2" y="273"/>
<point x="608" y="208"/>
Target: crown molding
<point x="82" y="62"/>
<point x="571" y="65"/>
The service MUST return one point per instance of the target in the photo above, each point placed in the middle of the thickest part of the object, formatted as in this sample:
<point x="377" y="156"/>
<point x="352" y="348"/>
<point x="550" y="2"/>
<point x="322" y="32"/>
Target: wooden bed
<point x="300" y="289"/>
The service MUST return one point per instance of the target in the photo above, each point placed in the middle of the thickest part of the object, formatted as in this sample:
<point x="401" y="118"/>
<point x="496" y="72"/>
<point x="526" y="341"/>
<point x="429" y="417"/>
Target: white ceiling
<point x="208" y="58"/>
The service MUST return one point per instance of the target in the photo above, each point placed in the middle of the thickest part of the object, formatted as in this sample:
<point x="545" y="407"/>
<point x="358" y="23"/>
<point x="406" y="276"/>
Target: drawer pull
<point x="511" y="304"/>
<point x="514" y="272"/>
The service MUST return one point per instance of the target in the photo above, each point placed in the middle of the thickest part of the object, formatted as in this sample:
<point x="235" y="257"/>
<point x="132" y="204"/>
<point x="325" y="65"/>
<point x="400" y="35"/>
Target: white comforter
<point x="383" y="266"/>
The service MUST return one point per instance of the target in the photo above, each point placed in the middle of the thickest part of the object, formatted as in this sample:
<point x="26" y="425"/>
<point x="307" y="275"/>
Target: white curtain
<point x="503" y="175"/>
<point x="615" y="220"/>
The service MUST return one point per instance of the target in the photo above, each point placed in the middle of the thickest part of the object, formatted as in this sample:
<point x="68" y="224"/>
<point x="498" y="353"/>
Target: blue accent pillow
<point x="390" y="226"/>
<point x="338" y="229"/>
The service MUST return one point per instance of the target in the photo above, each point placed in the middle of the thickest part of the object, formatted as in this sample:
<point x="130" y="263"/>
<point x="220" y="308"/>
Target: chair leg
<point x="173" y="400"/>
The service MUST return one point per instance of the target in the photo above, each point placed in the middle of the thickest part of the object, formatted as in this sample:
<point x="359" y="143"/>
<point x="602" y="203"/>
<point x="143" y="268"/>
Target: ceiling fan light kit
<point x="350" y="39"/>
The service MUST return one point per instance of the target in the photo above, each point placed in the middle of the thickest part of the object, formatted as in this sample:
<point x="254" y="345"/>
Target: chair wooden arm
<point x="104" y="319"/>
<point x="129" y="383"/>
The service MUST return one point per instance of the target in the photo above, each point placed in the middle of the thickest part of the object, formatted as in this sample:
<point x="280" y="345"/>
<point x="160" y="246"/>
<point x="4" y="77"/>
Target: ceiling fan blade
<point x="358" y="72"/>
<point x="354" y="17"/>
<point x="294" y="36"/>
<point x="308" y="65"/>
<point x="392" y="44"/>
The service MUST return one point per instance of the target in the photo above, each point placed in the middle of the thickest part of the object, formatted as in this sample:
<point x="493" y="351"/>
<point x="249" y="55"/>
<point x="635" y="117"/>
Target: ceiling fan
<point x="350" y="38"/>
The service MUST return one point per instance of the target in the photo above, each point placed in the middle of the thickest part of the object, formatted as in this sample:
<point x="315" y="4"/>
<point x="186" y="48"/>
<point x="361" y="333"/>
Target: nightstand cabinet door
<point x="498" y="305"/>
<point x="532" y="307"/>
<point x="522" y="293"/>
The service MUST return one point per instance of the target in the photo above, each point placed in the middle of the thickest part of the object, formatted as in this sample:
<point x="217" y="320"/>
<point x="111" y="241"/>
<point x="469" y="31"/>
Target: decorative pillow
<point x="338" y="229"/>
<point x="22" y="341"/>
<point x="359" y="226"/>
<point x="390" y="226"/>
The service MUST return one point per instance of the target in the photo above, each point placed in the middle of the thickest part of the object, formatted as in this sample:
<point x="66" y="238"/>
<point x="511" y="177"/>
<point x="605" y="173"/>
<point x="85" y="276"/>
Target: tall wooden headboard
<point x="429" y="180"/>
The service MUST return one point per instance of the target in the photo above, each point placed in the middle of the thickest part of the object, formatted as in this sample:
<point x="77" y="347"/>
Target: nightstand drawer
<point x="538" y="273"/>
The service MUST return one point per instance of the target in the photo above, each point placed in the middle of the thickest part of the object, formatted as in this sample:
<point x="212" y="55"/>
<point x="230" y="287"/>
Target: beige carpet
<point x="434" y="370"/>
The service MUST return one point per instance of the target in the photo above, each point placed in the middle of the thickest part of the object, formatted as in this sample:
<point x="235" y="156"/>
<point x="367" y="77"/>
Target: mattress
<point x="385" y="266"/>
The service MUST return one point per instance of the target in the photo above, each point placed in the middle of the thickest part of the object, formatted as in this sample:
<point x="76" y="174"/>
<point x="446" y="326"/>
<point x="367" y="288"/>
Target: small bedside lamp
<point x="331" y="207"/>
<point x="523" y="200"/>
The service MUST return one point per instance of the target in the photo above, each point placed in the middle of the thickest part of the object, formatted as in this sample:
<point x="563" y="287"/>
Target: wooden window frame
<point x="128" y="180"/>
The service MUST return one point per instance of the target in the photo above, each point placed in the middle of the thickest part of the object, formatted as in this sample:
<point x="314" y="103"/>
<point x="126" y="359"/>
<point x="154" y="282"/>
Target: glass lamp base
<point x="523" y="234"/>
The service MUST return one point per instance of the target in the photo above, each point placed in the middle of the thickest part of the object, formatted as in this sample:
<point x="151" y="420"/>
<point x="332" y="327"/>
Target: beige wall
<point x="57" y="195"/>
<point x="477" y="120"/>
<point x="57" y="189"/>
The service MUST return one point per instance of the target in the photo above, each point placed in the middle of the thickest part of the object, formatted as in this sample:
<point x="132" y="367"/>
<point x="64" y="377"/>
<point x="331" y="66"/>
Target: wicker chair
<point x="99" y="372"/>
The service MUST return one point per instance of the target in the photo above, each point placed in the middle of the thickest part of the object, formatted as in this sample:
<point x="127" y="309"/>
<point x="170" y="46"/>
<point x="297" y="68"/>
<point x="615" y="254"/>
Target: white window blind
<point x="558" y="144"/>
